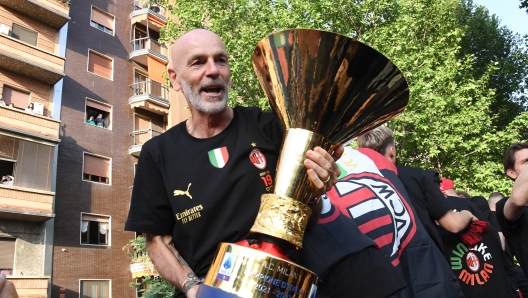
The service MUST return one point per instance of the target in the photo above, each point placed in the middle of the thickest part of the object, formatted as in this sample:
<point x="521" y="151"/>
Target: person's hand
<point x="7" y="288"/>
<point x="322" y="169"/>
<point x="193" y="291"/>
<point x="469" y="214"/>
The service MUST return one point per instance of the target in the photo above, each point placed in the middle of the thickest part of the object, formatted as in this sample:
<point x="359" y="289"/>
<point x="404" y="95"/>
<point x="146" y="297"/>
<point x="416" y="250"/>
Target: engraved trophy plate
<point x="247" y="272"/>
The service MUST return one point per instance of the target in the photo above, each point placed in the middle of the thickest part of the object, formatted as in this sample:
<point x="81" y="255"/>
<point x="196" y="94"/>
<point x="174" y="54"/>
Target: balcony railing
<point x="30" y="286"/>
<point x="29" y="124"/>
<point x="51" y="12"/>
<point x="20" y="203"/>
<point x="30" y="61"/>
<point x="147" y="43"/>
<point x="138" y="138"/>
<point x="150" y="87"/>
<point x="152" y="7"/>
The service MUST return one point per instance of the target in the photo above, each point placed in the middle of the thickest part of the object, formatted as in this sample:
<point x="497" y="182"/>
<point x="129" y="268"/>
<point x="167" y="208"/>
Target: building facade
<point x="115" y="98"/>
<point x="32" y="59"/>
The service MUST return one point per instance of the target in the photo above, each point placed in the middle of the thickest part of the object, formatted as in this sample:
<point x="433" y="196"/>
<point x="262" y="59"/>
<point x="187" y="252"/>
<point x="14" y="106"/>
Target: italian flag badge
<point x="218" y="157"/>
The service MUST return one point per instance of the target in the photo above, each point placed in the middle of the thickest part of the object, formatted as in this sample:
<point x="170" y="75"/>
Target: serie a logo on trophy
<point x="325" y="89"/>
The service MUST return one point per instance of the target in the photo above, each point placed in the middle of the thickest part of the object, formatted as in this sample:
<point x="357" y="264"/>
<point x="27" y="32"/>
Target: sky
<point x="509" y="13"/>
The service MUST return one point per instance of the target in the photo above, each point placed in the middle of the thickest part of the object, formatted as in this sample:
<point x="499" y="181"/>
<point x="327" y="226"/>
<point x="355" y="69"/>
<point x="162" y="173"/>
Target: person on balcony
<point x="8" y="180"/>
<point x="90" y="120"/>
<point x="29" y="109"/>
<point x="99" y="121"/>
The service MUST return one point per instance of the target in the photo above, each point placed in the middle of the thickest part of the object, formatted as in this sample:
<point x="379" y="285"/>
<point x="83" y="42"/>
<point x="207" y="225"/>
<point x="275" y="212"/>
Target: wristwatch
<point x="191" y="281"/>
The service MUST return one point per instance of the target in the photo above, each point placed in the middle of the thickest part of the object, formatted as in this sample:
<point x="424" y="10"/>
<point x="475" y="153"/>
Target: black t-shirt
<point x="480" y="269"/>
<point x="483" y="206"/>
<point x="205" y="191"/>
<point x="426" y="197"/>
<point x="516" y="233"/>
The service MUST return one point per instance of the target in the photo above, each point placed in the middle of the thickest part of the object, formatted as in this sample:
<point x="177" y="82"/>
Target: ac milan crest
<point x="257" y="158"/>
<point x="473" y="262"/>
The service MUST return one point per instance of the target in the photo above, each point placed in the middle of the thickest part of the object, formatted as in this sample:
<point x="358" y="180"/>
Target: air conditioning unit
<point x="38" y="108"/>
<point x="4" y="29"/>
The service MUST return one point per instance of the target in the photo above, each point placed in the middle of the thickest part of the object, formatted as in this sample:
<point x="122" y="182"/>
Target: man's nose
<point x="212" y="69"/>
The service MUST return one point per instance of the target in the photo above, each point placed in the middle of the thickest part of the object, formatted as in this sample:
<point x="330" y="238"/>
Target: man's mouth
<point x="212" y="90"/>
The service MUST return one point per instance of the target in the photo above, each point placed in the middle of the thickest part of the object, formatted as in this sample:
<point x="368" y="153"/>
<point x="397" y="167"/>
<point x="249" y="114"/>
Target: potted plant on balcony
<point x="152" y="5"/>
<point x="150" y="286"/>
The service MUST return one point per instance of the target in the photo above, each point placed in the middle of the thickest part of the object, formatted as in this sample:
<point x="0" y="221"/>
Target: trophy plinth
<point x="247" y="272"/>
<point x="325" y="89"/>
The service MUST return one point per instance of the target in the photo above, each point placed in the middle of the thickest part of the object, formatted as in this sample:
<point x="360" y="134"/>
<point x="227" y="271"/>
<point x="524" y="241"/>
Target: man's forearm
<point x="455" y="222"/>
<point x="168" y="261"/>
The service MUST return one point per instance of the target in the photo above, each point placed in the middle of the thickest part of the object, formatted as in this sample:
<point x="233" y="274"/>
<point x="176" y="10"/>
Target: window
<point x="100" y="65"/>
<point x="95" y="229"/>
<point x="15" y="98"/>
<point x="96" y="169"/>
<point x="7" y="255"/>
<point x="98" y="114"/>
<point x="102" y="21"/>
<point x="95" y="289"/>
<point x="24" y="34"/>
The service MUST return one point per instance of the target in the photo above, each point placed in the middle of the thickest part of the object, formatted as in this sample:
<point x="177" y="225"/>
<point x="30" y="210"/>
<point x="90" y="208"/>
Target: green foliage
<point x="466" y="73"/>
<point x="495" y="49"/>
<point x="153" y="287"/>
<point x="149" y="286"/>
<point x="524" y="4"/>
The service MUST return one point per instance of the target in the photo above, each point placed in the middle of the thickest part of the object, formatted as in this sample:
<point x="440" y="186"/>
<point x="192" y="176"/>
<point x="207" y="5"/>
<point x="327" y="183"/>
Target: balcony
<point x="139" y="137"/>
<point x="25" y="204"/>
<point x="150" y="95"/>
<point x="30" y="61"/>
<point x="29" y="124"/>
<point x="30" y="286"/>
<point x="148" y="47"/>
<point x="52" y="12"/>
<point x="151" y="16"/>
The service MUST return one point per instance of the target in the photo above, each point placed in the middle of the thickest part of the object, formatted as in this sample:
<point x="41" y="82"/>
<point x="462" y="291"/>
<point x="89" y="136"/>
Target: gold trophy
<point x="325" y="89"/>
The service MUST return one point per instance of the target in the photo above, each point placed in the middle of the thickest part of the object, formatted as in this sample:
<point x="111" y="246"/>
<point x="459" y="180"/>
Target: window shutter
<point x="8" y="147"/>
<point x="96" y="166"/>
<point x="33" y="167"/>
<point x="100" y="65"/>
<point x="7" y="253"/>
<point x="98" y="106"/>
<point x="96" y="218"/>
<point x="156" y="70"/>
<point x="102" y="18"/>
<point x="18" y="98"/>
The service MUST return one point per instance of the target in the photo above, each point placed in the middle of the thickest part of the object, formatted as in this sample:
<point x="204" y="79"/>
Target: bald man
<point x="200" y="182"/>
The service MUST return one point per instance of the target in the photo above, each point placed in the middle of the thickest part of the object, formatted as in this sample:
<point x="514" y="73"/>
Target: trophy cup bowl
<point x="325" y="89"/>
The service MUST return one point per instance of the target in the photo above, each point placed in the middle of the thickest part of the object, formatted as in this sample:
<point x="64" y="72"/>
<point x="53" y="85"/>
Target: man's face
<point x="203" y="73"/>
<point x="521" y="160"/>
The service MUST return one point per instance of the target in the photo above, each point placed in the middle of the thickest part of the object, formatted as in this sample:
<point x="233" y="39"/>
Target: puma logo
<point x="181" y="192"/>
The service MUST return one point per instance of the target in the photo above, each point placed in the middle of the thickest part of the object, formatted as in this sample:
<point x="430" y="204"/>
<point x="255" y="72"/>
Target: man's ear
<point x="511" y="173"/>
<point x="174" y="78"/>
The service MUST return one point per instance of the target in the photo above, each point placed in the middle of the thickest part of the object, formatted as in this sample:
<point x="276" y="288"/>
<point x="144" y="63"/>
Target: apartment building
<point x="115" y="98"/>
<point x="32" y="39"/>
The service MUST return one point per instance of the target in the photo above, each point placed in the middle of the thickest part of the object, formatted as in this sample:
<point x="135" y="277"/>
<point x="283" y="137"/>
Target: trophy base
<point x="247" y="272"/>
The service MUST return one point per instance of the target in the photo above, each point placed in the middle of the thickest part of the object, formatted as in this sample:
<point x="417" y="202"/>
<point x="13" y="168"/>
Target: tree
<point x="496" y="49"/>
<point x="524" y="4"/>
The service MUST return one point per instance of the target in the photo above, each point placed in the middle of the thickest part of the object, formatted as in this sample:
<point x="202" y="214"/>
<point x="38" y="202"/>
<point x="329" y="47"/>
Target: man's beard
<point x="208" y="105"/>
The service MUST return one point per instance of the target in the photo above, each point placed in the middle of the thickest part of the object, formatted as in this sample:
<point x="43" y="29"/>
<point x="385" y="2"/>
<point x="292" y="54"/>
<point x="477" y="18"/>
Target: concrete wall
<point x="29" y="245"/>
